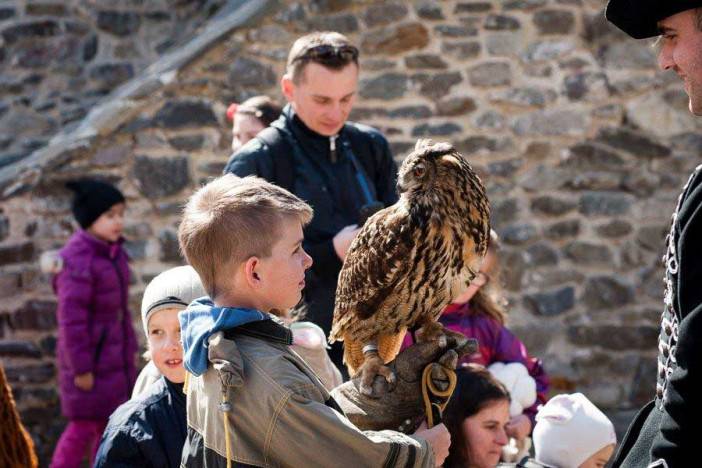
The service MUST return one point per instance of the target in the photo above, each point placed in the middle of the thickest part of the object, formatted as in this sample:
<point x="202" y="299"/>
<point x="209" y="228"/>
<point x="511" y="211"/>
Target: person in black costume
<point x="664" y="433"/>
<point x="344" y="170"/>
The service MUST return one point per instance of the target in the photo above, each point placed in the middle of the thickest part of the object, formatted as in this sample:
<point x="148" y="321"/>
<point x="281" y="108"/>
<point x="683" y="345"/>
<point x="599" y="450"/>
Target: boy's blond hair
<point x="231" y="219"/>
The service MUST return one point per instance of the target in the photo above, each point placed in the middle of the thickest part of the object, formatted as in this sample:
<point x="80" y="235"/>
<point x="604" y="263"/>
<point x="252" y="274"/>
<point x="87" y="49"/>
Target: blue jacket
<point x="146" y="431"/>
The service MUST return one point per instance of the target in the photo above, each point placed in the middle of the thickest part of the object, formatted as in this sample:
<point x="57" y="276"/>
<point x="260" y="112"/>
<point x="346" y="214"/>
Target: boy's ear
<point x="251" y="270"/>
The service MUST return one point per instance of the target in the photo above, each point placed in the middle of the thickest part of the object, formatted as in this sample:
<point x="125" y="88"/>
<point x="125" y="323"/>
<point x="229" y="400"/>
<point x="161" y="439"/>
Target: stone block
<point x="384" y="13"/>
<point x="35" y="315"/>
<point x="30" y="373"/>
<point x="525" y="97"/>
<point x="551" y="122"/>
<point x="552" y="206"/>
<point x="452" y="30"/>
<point x="540" y="255"/>
<point x="551" y="303"/>
<point x="589" y="156"/>
<point x="554" y="21"/>
<point x="429" y="10"/>
<point x="410" y="112"/>
<point x="615" y="228"/>
<point x="113" y="155"/>
<point x="456" y="105"/>
<point x="623" y="55"/>
<point x="542" y="178"/>
<point x="501" y="23"/>
<point x="248" y="72"/>
<point x="586" y="253"/>
<point x="461" y="50"/>
<point x="518" y="234"/>
<point x="475" y="144"/>
<point x="490" y="120"/>
<point x="185" y="113"/>
<point x="386" y="86"/>
<point x="632" y="142"/>
<point x="109" y="75"/>
<point x="505" y="168"/>
<point x="4" y="227"/>
<point x="605" y="203"/>
<point x="187" y="143"/>
<point x="429" y="130"/>
<point x="18" y="348"/>
<point x="586" y="86"/>
<point x="170" y="250"/>
<point x="525" y="5"/>
<point x="594" y="181"/>
<point x="31" y="30"/>
<point x="607" y="292"/>
<point x="563" y="229"/>
<point x="471" y="7"/>
<point x="396" y="39"/>
<point x="438" y="85"/>
<point x="7" y="13"/>
<point x="425" y="61"/>
<point x="16" y="253"/>
<point x="503" y="211"/>
<point x="490" y="74"/>
<point x="119" y="23"/>
<point x="161" y="177"/>
<point x="652" y="237"/>
<point x="615" y="337"/>
<point x="329" y="6"/>
<point x="513" y="270"/>
<point x="543" y="51"/>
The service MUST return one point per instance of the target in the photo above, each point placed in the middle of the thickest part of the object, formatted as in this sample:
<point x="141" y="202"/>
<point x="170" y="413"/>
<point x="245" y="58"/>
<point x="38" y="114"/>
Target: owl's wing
<point x="375" y="263"/>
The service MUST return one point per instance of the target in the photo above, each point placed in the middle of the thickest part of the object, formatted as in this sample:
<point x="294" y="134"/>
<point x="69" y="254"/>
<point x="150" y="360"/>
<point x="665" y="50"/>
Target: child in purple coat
<point x="478" y="313"/>
<point x="96" y="342"/>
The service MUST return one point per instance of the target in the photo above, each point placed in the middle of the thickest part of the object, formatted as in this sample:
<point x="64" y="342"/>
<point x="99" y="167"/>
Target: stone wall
<point x="584" y="147"/>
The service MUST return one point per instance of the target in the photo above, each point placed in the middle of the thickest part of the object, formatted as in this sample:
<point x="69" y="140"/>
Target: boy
<point x="149" y="430"/>
<point x="260" y="404"/>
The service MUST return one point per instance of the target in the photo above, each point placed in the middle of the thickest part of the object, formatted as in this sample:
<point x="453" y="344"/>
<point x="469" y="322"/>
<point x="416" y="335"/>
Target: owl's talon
<point x="374" y="366"/>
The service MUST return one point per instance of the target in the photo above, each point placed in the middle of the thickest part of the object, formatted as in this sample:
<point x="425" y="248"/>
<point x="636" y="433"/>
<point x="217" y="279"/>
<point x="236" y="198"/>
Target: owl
<point x="410" y="260"/>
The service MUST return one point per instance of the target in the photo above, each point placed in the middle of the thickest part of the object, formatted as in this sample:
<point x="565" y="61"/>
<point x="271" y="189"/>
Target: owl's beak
<point x="400" y="188"/>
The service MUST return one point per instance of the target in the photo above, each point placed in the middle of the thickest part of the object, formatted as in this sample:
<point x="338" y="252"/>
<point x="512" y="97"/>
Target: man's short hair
<point x="328" y="48"/>
<point x="231" y="219"/>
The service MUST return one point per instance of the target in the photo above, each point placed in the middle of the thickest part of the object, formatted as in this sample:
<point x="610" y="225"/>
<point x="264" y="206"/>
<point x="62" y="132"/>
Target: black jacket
<point x="329" y="186"/>
<point x="664" y="433"/>
<point x="147" y="431"/>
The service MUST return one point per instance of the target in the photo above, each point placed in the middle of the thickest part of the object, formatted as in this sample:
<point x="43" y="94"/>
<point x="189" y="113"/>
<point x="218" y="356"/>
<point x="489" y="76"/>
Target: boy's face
<point x="282" y="274"/>
<point x="600" y="458"/>
<point x="108" y="227"/>
<point x="164" y="344"/>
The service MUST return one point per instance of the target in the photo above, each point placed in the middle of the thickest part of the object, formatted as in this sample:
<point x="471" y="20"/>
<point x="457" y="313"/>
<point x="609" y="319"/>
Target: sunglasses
<point x="325" y="52"/>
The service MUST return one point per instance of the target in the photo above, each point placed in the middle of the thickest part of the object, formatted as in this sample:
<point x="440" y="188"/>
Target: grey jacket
<point x="278" y="412"/>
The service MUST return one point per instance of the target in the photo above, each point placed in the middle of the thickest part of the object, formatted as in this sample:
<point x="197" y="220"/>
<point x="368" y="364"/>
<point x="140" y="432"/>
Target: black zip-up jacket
<point x="665" y="432"/>
<point x="148" y="430"/>
<point x="328" y="182"/>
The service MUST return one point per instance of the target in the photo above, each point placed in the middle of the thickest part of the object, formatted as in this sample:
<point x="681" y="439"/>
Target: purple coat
<point x="95" y="327"/>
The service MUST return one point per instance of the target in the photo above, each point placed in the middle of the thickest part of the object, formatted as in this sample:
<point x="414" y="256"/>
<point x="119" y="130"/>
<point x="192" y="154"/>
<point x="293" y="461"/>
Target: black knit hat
<point x="92" y="199"/>
<point x="639" y="18"/>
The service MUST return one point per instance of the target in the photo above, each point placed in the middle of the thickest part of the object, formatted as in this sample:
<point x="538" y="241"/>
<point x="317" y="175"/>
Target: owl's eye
<point x="419" y="171"/>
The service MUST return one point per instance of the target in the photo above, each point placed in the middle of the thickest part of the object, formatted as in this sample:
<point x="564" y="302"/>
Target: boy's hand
<point x="518" y="427"/>
<point x="439" y="440"/>
<point x="84" y="381"/>
<point x="402" y="408"/>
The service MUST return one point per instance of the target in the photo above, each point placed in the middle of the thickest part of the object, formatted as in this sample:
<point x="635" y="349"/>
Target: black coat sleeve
<point x="676" y="442"/>
<point x="386" y="176"/>
<point x="119" y="449"/>
<point x="252" y="159"/>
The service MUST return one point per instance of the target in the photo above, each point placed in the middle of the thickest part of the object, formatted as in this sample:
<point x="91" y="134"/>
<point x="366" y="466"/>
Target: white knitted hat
<point x="174" y="288"/>
<point x="569" y="430"/>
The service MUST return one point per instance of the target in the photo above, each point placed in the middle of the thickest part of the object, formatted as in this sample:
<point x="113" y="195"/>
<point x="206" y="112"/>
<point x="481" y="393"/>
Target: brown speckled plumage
<point x="410" y="259"/>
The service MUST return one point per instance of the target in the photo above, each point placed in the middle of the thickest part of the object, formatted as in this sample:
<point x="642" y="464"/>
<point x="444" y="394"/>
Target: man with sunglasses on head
<point x="344" y="170"/>
<point x="664" y="433"/>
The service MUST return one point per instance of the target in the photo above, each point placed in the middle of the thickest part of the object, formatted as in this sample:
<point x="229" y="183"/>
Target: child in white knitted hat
<point x="150" y="429"/>
<point x="571" y="432"/>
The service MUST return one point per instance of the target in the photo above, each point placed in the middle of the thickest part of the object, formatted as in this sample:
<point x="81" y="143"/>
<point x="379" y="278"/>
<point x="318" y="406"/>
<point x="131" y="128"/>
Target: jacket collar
<point x="108" y="249"/>
<point x="313" y="142"/>
<point x="268" y="330"/>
